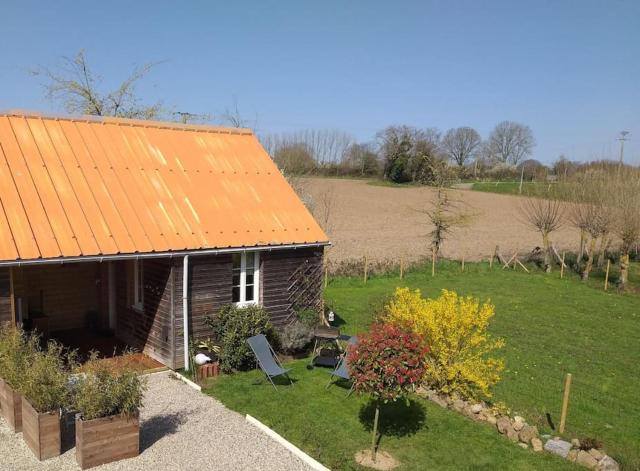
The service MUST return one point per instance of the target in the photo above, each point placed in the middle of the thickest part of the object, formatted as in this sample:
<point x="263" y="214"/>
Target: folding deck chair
<point x="342" y="368"/>
<point x="267" y="358"/>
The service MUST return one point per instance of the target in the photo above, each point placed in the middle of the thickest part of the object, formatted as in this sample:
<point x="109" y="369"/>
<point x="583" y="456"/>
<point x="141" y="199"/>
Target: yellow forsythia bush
<point x="455" y="329"/>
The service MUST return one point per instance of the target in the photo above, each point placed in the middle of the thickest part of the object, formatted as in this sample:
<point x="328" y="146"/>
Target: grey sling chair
<point x="342" y="368"/>
<point x="267" y="359"/>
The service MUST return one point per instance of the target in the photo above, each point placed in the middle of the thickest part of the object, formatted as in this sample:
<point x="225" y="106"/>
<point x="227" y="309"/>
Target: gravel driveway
<point x="182" y="429"/>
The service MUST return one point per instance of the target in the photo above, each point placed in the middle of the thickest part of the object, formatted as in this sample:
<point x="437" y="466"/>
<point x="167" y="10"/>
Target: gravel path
<point x="182" y="429"/>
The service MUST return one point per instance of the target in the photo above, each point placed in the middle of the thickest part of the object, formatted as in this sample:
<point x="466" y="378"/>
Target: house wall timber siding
<point x="289" y="280"/>
<point x="149" y="331"/>
<point x="5" y="296"/>
<point x="63" y="292"/>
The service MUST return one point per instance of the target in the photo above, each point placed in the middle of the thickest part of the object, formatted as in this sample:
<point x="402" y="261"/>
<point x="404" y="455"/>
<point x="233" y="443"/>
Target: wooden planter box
<point x="209" y="370"/>
<point x="105" y="440"/>
<point x="11" y="407"/>
<point x="41" y="432"/>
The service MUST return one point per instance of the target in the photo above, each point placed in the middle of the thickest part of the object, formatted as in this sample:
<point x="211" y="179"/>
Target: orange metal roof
<point x="74" y="187"/>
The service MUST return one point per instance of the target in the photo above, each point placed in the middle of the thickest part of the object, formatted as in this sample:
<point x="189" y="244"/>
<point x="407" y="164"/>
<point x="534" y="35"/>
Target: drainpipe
<point x="185" y="309"/>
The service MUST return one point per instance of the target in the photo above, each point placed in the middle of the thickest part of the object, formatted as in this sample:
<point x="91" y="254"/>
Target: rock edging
<point x="526" y="436"/>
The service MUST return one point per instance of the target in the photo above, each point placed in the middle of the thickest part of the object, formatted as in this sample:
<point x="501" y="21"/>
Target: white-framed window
<point x="246" y="278"/>
<point x="138" y="285"/>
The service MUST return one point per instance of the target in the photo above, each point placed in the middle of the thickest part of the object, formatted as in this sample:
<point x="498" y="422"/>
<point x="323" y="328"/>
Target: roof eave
<point x="168" y="254"/>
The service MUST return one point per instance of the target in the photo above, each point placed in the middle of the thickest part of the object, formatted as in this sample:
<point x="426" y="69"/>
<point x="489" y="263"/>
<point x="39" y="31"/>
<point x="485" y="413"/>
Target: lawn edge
<point x="287" y="444"/>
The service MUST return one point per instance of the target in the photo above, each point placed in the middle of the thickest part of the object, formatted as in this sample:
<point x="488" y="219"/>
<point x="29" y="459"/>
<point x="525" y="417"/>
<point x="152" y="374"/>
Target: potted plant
<point x="206" y="359"/>
<point x="108" y="401"/>
<point x="45" y="390"/>
<point x="16" y="350"/>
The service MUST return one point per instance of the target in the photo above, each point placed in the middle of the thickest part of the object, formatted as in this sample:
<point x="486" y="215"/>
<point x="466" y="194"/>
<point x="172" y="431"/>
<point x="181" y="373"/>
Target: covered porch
<point x="90" y="306"/>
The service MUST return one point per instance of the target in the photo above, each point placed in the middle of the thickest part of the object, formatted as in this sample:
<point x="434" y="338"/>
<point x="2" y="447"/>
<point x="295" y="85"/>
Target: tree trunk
<point x="583" y="242"/>
<point x="604" y="243"/>
<point x="590" y="256"/>
<point x="547" y="253"/>
<point x="624" y="270"/>
<point x="374" y="437"/>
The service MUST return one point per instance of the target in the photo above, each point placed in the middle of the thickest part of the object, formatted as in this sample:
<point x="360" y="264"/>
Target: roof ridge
<point x="17" y="113"/>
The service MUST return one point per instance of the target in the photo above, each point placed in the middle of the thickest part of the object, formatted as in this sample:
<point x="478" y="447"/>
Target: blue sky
<point x="568" y="69"/>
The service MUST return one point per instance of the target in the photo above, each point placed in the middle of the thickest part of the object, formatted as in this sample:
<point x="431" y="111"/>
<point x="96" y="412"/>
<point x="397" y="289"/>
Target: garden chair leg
<point x="329" y="383"/>
<point x="350" y="390"/>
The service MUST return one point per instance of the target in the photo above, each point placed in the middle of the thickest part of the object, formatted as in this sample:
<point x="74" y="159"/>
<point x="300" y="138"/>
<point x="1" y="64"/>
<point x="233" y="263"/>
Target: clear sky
<point x="568" y="69"/>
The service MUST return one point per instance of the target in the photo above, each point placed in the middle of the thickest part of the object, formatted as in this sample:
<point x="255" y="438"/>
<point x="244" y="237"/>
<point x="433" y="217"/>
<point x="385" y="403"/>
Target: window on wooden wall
<point x="138" y="285"/>
<point x="246" y="278"/>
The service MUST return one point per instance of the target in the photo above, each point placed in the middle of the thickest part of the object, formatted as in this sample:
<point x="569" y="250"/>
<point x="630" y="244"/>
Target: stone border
<point x="518" y="431"/>
<point x="288" y="445"/>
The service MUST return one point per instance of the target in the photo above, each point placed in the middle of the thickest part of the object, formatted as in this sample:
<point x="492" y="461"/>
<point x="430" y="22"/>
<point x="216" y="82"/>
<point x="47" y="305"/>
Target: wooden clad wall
<point x="63" y="292"/>
<point x="5" y="296"/>
<point x="291" y="281"/>
<point x="151" y="330"/>
<point x="209" y="290"/>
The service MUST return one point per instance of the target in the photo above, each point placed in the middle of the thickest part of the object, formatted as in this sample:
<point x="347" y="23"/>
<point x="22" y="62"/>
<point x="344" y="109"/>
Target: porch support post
<point x="12" y="296"/>
<point x="111" y="297"/>
<point x="185" y="310"/>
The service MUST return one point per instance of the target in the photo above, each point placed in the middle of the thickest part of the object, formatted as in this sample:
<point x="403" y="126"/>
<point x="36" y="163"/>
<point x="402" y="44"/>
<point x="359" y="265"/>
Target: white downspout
<point x="185" y="309"/>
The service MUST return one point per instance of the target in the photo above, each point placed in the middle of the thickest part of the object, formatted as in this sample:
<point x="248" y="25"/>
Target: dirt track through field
<point x="385" y="223"/>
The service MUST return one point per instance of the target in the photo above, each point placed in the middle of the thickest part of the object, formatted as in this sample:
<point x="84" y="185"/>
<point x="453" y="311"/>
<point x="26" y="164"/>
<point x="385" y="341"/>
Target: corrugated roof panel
<point x="83" y="192"/>
<point x="109" y="186"/>
<point x="123" y="189"/>
<point x="36" y="218"/>
<point x="97" y="182"/>
<point x="79" y="225"/>
<point x="49" y="197"/>
<point x="17" y="222"/>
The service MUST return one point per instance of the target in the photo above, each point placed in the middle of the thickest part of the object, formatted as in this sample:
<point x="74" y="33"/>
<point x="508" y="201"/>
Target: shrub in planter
<point x="232" y="326"/>
<point x="45" y="391"/>
<point x="16" y="350"/>
<point x="108" y="401"/>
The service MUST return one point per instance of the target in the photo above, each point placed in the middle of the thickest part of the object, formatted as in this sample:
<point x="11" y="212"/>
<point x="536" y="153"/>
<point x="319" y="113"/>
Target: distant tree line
<point x="404" y="154"/>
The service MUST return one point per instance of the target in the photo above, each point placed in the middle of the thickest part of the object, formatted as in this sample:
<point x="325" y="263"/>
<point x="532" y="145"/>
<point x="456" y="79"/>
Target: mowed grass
<point x="551" y="327"/>
<point x="512" y="188"/>
<point x="332" y="428"/>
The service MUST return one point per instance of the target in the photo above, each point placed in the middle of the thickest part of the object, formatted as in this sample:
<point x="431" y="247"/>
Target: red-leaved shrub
<point x="388" y="362"/>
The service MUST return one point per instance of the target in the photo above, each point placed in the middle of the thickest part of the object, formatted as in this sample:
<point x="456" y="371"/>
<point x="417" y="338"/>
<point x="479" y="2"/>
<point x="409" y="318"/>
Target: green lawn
<point x="551" y="326"/>
<point x="332" y="428"/>
<point x="512" y="188"/>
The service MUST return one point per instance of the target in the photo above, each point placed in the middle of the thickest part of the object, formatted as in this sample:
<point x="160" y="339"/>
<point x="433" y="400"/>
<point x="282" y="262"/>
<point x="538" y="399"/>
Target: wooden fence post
<point x="606" y="276"/>
<point x="433" y="261"/>
<point x="401" y="267"/>
<point x="326" y="275"/>
<point x="562" y="267"/>
<point x="366" y="268"/>
<point x="463" y="263"/>
<point x="565" y="402"/>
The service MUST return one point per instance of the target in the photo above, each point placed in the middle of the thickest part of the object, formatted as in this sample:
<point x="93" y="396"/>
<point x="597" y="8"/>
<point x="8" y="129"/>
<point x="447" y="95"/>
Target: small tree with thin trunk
<point x="445" y="214"/>
<point x="388" y="363"/>
<point x="545" y="215"/>
<point x="627" y="224"/>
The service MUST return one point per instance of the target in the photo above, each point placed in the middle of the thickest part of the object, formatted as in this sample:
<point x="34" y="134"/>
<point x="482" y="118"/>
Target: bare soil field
<point x="385" y="223"/>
